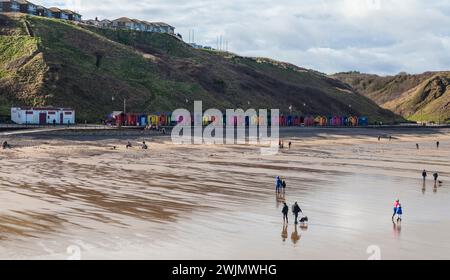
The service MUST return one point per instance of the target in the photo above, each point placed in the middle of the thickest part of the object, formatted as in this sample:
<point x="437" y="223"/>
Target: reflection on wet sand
<point x="217" y="201"/>
<point x="397" y="229"/>
<point x="284" y="232"/>
<point x="295" y="236"/>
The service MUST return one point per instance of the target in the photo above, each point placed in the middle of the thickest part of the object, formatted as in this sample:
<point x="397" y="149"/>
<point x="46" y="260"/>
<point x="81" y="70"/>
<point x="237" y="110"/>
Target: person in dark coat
<point x="296" y="210"/>
<point x="436" y="176"/>
<point x="285" y="212"/>
<point x="129" y="145"/>
<point x="424" y="174"/>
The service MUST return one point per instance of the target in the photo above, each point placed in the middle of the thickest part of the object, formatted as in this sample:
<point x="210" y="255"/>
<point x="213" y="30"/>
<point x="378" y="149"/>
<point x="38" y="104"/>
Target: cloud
<point x="376" y="36"/>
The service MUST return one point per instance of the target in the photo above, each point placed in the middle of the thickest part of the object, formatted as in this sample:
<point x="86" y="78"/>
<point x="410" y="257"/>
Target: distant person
<point x="379" y="138"/>
<point x="295" y="237"/>
<point x="396" y="204"/>
<point x="417" y="147"/>
<point x="278" y="184"/>
<point x="164" y="131"/>
<point x="290" y="145"/>
<point x="285" y="212"/>
<point x="424" y="174"/>
<point x="435" y="176"/>
<point x="390" y="138"/>
<point x="284" y="233"/>
<point x="144" y="146"/>
<point x="283" y="185"/>
<point x="296" y="210"/>
<point x="54" y="122"/>
<point x="399" y="212"/>
<point x="437" y="144"/>
<point x="5" y="145"/>
<point x="129" y="145"/>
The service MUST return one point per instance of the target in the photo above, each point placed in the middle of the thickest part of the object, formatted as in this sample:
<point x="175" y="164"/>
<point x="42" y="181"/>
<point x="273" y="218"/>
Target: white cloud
<point x="381" y="36"/>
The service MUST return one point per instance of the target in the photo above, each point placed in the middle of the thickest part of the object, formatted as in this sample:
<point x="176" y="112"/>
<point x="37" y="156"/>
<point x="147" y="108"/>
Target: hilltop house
<point x="43" y="12"/>
<point x="72" y="15"/>
<point x="123" y="23"/>
<point x="9" y="6"/>
<point x="26" y="7"/>
<point x="59" y="14"/>
<point x="141" y="25"/>
<point x="105" y="23"/>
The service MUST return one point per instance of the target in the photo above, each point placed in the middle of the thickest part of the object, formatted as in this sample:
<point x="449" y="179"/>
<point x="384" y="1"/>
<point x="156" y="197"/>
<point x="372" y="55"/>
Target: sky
<point x="373" y="36"/>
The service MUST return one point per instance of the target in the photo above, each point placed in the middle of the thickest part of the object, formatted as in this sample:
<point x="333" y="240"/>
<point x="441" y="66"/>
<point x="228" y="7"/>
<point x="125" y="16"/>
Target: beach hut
<point x="290" y="121"/>
<point x="321" y="121"/>
<point x="206" y="120"/>
<point x="308" y="121"/>
<point x="353" y="121"/>
<point x="162" y="119"/>
<point x="336" y="121"/>
<point x="131" y="119"/>
<point x="153" y="120"/>
<point x="363" y="121"/>
<point x="142" y="120"/>
<point x="254" y="121"/>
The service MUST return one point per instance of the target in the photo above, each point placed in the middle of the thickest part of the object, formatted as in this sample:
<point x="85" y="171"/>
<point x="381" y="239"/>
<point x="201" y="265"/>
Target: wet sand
<point x="60" y="193"/>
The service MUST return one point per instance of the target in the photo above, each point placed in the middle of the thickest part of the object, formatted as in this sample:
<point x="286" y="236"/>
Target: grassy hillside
<point x="424" y="97"/>
<point x="94" y="70"/>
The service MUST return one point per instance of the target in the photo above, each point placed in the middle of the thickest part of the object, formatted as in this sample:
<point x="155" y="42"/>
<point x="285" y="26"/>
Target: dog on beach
<point x="304" y="220"/>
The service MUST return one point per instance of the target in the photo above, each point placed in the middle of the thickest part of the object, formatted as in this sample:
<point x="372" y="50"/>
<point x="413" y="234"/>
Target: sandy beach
<point x="71" y="195"/>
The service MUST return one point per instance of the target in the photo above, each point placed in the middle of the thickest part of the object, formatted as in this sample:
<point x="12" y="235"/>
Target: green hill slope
<point x="424" y="97"/>
<point x="94" y="70"/>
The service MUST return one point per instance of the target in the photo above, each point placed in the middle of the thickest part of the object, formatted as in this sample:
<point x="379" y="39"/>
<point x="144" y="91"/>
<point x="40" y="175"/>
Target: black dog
<point x="304" y="220"/>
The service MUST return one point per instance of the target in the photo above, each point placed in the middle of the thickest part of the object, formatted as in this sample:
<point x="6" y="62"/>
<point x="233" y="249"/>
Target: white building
<point x="42" y="116"/>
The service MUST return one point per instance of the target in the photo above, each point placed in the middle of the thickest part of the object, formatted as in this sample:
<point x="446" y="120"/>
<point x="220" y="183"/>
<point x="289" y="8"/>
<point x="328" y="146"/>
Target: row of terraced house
<point x="133" y="24"/>
<point x="23" y="6"/>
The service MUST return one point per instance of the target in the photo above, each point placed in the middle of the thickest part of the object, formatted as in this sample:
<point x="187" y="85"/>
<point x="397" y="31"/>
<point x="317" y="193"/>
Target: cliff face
<point x="424" y="97"/>
<point x="93" y="70"/>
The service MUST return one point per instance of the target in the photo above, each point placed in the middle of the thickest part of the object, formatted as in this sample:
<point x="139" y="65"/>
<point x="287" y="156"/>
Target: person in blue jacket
<point x="278" y="184"/>
<point x="399" y="212"/>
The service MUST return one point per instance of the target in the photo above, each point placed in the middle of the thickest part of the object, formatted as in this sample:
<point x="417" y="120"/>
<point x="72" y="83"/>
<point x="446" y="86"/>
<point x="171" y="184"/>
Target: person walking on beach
<point x="296" y="210"/>
<point x="435" y="176"/>
<point x="399" y="212"/>
<point x="285" y="212"/>
<point x="283" y="185"/>
<point x="437" y="144"/>
<point x="5" y="145"/>
<point x="424" y="174"/>
<point x="396" y="204"/>
<point x="417" y="146"/>
<point x="278" y="184"/>
<point x="144" y="146"/>
<point x="129" y="145"/>
<point x="290" y="145"/>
